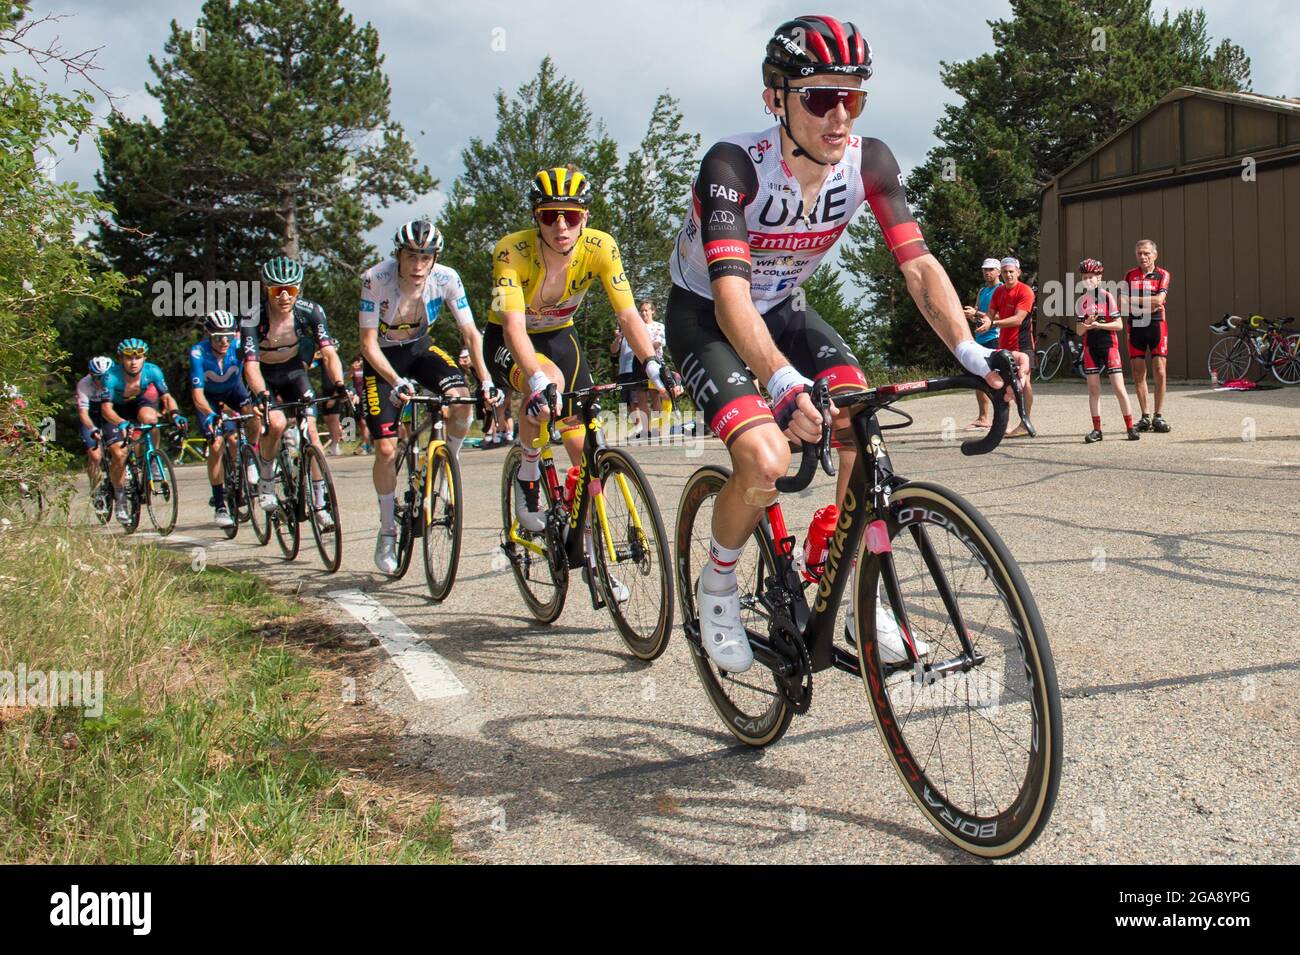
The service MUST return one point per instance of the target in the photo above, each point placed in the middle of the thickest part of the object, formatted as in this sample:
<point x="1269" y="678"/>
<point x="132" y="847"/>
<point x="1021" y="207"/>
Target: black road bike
<point x="1052" y="358"/>
<point x="305" y="490"/>
<point x="432" y="507"/>
<point x="611" y="529"/>
<point x="973" y="726"/>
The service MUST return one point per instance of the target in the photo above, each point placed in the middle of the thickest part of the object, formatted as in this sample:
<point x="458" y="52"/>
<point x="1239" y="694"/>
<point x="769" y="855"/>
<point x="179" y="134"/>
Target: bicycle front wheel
<point x="1286" y="360"/>
<point x="977" y="741"/>
<point x="1229" y="359"/>
<point x="160" y="495"/>
<point x="444" y="508"/>
<point x="322" y="508"/>
<point x="1053" y="358"/>
<point x="630" y="548"/>
<point x="260" y="520"/>
<point x="288" y="533"/>
<point x="539" y="567"/>
<point x="234" y="486"/>
<point x="751" y="704"/>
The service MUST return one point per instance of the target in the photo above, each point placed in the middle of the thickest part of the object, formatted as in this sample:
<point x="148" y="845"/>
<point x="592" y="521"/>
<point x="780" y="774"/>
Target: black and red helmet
<point x="1091" y="267"/>
<point x="811" y="45"/>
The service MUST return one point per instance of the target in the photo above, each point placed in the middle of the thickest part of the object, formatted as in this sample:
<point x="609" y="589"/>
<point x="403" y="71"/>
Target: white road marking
<point x="182" y="539"/>
<point x="1266" y="461"/>
<point x="428" y="674"/>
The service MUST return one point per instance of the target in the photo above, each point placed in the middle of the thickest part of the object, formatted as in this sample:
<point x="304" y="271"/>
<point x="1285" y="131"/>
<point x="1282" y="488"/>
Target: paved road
<point x="1180" y="662"/>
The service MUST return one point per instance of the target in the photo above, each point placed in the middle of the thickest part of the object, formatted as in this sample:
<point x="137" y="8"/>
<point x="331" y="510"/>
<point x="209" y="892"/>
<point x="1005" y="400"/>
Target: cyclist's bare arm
<point x="515" y="333"/>
<point x="253" y="377"/>
<point x="469" y="334"/>
<point x="329" y="356"/>
<point x="374" y="355"/>
<point x="200" y="402"/>
<point x="638" y="336"/>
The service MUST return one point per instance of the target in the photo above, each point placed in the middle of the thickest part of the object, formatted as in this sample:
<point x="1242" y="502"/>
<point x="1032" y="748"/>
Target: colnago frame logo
<point x="74" y="907"/>
<point x="178" y="298"/>
<point x="53" y="688"/>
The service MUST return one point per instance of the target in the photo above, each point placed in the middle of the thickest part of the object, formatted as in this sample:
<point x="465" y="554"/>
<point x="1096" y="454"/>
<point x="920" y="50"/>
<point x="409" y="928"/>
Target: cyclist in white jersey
<point x="400" y="299"/>
<point x="765" y="208"/>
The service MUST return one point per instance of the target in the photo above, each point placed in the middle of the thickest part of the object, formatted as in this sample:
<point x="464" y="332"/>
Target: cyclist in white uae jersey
<point x="765" y="209"/>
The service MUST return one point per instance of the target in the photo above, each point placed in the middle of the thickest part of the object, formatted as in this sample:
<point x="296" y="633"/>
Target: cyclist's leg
<point x="817" y="350"/>
<point x="438" y="371"/>
<point x="1138" y="347"/>
<point x="382" y="418"/>
<point x="1159" y="359"/>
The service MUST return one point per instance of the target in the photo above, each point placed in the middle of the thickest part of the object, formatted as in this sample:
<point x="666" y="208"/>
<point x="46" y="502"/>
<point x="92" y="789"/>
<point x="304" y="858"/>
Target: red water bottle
<point x="571" y="484"/>
<point x="817" y="544"/>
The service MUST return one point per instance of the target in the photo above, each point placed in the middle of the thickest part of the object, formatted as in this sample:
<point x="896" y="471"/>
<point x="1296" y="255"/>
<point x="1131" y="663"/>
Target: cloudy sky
<point x="445" y="61"/>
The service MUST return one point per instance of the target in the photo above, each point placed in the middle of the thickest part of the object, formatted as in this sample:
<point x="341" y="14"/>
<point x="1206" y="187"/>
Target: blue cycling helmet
<point x="132" y="348"/>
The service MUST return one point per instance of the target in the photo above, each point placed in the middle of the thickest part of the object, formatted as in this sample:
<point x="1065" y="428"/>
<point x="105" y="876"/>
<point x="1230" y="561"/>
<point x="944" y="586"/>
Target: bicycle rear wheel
<point x="1229" y="359"/>
<point x="233" y="484"/>
<point x="284" y="519"/>
<point x="442" y="523"/>
<point x="539" y="566"/>
<point x="1053" y="358"/>
<point x="325" y="524"/>
<point x="160" y="495"/>
<point x="639" y="563"/>
<point x="134" y="490"/>
<point x="1286" y="360"/>
<point x="101" y="497"/>
<point x="977" y="743"/>
<point x="751" y="704"/>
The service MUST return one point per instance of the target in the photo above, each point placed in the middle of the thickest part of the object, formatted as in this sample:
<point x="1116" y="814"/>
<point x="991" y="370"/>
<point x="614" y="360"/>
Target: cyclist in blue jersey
<point x="134" y="391"/>
<point x="985" y="333"/>
<point x="216" y="382"/>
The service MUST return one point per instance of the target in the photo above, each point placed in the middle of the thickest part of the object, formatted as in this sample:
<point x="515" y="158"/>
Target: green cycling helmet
<point x="282" y="270"/>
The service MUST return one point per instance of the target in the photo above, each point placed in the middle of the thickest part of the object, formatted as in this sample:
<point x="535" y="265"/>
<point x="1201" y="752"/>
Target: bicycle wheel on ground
<point x="637" y="568"/>
<point x="442" y="521"/>
<point x="1286" y="360"/>
<point x="1229" y="359"/>
<point x="284" y="519"/>
<point x="322" y="508"/>
<point x="253" y="512"/>
<point x="751" y="704"/>
<point x="977" y="746"/>
<point x="161" y="497"/>
<point x="233" y="485"/>
<point x="134" y="492"/>
<point x="1053" y="358"/>
<point x="535" y="557"/>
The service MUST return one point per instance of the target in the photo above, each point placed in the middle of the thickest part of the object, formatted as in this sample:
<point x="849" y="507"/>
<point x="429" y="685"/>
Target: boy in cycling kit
<point x="134" y="391"/>
<point x="1098" y="325"/>
<point x="216" y="382"/>
<point x="281" y="335"/>
<point x="401" y="297"/>
<point x="765" y="208"/>
<point x="539" y="278"/>
<point x="89" y="417"/>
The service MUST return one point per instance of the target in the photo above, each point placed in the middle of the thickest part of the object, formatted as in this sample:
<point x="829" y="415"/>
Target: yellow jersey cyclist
<point x="134" y="391"/>
<point x="401" y="298"/>
<point x="281" y="334"/>
<point x="539" y="278"/>
<point x="766" y="208"/>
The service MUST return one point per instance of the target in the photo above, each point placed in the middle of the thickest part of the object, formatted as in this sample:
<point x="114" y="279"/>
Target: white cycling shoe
<point x="889" y="638"/>
<point x="386" y="553"/>
<point x="324" y="520"/>
<point x="528" y="505"/>
<point x="721" y="631"/>
<point x="223" y="518"/>
<point x="266" y="496"/>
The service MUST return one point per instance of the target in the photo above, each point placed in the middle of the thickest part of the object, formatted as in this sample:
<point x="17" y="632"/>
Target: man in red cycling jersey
<point x="1009" y="309"/>
<point x="765" y="209"/>
<point x="1142" y="298"/>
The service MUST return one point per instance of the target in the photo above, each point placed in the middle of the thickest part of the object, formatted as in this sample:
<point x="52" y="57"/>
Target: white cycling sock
<point x="531" y="469"/>
<point x="719" y="575"/>
<point x="387" y="523"/>
<point x="318" y="494"/>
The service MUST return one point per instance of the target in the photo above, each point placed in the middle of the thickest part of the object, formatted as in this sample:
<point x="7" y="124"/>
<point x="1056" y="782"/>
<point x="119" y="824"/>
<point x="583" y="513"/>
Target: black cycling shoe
<point x="1160" y="425"/>
<point x="1144" y="423"/>
<point x="1133" y="434"/>
<point x="1092" y="437"/>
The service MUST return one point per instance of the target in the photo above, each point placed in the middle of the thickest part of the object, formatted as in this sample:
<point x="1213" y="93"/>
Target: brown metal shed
<point x="1214" y="180"/>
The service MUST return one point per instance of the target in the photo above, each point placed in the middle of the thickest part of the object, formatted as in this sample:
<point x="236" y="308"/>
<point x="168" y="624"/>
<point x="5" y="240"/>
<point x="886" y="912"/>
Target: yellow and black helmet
<point x="560" y="184"/>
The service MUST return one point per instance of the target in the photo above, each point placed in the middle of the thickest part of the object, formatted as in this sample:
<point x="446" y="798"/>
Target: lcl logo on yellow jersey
<point x="372" y="395"/>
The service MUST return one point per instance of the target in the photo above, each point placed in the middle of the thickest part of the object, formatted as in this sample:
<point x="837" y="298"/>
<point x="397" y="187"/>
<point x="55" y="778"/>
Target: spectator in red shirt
<point x="1142" y="298"/>
<point x="1009" y="308"/>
